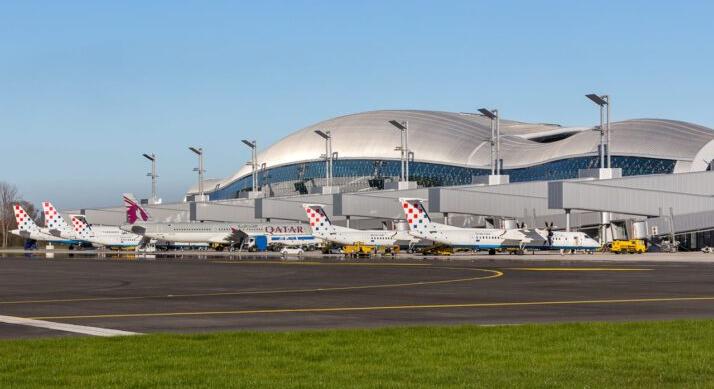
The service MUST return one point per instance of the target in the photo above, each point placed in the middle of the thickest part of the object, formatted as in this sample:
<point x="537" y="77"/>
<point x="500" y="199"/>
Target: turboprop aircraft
<point x="491" y="239"/>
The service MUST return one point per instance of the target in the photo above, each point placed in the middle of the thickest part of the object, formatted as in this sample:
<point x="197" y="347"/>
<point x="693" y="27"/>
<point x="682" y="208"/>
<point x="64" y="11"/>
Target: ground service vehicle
<point x="292" y="251"/>
<point x="360" y="249"/>
<point x="631" y="246"/>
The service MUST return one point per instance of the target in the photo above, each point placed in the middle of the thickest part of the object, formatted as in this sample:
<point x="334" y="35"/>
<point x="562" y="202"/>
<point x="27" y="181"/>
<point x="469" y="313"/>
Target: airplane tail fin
<point x="24" y="221"/>
<point x="81" y="227"/>
<point x="53" y="219"/>
<point x="416" y="216"/>
<point x="319" y="222"/>
<point x="134" y="211"/>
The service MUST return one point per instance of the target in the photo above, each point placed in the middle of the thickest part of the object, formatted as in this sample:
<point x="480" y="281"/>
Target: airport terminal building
<point x="661" y="178"/>
<point x="451" y="149"/>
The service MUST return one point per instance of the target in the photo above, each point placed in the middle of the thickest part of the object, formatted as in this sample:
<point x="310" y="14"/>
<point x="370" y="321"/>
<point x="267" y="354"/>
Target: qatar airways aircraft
<point x="491" y="239"/>
<point x="216" y="234"/>
<point x="324" y="229"/>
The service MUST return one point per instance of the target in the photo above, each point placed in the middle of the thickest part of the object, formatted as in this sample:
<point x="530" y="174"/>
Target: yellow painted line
<point x="492" y="274"/>
<point x="308" y="263"/>
<point x="578" y="269"/>
<point x="379" y="308"/>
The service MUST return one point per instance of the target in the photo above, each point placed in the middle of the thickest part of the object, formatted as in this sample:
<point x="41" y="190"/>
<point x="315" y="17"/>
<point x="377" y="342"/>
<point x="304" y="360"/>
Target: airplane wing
<point x="145" y="240"/>
<point x="237" y="235"/>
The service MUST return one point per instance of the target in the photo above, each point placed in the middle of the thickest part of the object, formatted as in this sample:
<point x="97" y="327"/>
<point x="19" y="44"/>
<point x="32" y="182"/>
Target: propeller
<point x="549" y="228"/>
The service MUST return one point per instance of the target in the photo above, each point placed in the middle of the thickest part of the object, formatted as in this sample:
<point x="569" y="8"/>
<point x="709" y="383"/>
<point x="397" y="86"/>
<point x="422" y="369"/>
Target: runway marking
<point x="493" y="274"/>
<point x="96" y="331"/>
<point x="380" y="308"/>
<point x="313" y="263"/>
<point x="578" y="269"/>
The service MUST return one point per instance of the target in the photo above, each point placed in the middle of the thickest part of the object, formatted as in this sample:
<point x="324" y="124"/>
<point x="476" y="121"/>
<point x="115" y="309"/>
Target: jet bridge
<point x="684" y="193"/>
<point x="481" y="201"/>
<point x="290" y="208"/>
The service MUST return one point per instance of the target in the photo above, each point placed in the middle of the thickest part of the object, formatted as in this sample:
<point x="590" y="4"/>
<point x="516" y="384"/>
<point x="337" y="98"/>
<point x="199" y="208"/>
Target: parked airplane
<point x="107" y="236"/>
<point x="217" y="234"/>
<point x="27" y="229"/>
<point x="421" y="226"/>
<point x="55" y="224"/>
<point x="324" y="229"/>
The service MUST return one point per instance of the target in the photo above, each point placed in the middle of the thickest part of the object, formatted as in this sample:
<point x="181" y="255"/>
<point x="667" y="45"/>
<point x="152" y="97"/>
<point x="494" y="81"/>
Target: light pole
<point x="495" y="139"/>
<point x="200" y="170"/>
<point x="253" y="161"/>
<point x="153" y="175"/>
<point x="327" y="136"/>
<point x="403" y="126"/>
<point x="604" y="103"/>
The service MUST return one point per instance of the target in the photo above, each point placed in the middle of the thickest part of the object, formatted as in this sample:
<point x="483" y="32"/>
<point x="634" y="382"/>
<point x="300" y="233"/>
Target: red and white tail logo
<point x="415" y="214"/>
<point x="319" y="222"/>
<point x="81" y="227"/>
<point x="24" y="221"/>
<point x="53" y="220"/>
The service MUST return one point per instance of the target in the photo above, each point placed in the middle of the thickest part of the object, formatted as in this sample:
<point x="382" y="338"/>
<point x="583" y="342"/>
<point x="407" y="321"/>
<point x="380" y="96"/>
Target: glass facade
<point x="354" y="175"/>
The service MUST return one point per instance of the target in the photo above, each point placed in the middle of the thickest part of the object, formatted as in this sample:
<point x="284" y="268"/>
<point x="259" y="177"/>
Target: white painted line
<point x="95" y="331"/>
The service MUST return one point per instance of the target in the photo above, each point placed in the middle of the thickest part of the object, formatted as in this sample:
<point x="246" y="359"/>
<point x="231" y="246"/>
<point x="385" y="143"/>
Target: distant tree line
<point x="8" y="198"/>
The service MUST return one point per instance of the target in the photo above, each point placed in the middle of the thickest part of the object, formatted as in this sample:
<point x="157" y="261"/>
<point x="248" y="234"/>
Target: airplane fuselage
<point x="484" y="238"/>
<point x="111" y="236"/>
<point x="41" y="236"/>
<point x="221" y="233"/>
<point x="344" y="236"/>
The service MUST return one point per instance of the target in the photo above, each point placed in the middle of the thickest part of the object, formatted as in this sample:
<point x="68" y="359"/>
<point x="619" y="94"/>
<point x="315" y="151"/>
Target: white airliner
<point x="217" y="234"/>
<point x="55" y="224"/>
<point x="27" y="229"/>
<point x="324" y="229"/>
<point x="491" y="239"/>
<point x="107" y="236"/>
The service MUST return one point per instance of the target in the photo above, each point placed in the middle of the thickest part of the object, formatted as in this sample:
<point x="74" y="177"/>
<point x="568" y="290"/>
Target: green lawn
<point x="655" y="354"/>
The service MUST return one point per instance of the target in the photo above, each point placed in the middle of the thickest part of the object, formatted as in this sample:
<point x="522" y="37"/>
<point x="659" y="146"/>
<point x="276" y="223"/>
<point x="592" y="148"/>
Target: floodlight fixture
<point x="599" y="100"/>
<point x="487" y="112"/>
<point x="603" y="101"/>
<point x="248" y="143"/>
<point x="403" y="127"/>
<point x="199" y="152"/>
<point x="328" y="156"/>
<point x="253" y="161"/>
<point x="323" y="134"/>
<point x="400" y="125"/>
<point x="153" y="175"/>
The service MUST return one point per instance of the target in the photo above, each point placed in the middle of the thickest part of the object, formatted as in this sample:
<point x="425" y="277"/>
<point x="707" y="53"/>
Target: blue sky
<point x="86" y="87"/>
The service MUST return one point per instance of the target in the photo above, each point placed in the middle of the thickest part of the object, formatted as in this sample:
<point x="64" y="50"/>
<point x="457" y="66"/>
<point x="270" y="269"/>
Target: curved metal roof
<point x="462" y="139"/>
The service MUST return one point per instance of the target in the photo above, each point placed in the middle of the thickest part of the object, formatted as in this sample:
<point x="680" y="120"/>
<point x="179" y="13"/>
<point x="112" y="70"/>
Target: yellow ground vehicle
<point x="360" y="249"/>
<point x="631" y="246"/>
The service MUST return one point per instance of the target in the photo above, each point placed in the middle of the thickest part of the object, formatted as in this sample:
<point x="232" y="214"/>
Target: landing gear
<point x="491" y="251"/>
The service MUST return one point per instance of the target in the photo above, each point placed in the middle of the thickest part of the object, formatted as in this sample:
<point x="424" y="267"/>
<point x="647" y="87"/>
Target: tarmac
<point x="87" y="294"/>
